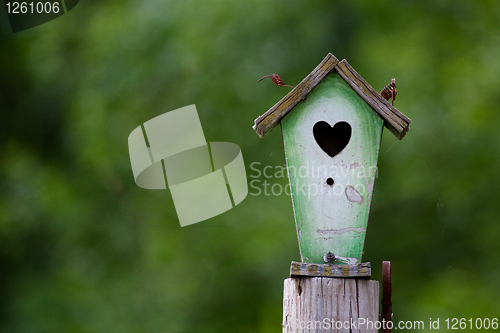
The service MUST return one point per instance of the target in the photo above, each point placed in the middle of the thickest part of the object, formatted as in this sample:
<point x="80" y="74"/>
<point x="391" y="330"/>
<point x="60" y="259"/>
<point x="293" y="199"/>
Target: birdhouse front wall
<point x="332" y="141"/>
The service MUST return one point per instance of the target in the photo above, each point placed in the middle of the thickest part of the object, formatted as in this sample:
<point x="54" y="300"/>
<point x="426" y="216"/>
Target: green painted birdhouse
<point x="332" y="125"/>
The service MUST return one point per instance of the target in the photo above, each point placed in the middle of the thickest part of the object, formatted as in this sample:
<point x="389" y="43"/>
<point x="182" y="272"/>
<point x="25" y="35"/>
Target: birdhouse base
<point x="362" y="270"/>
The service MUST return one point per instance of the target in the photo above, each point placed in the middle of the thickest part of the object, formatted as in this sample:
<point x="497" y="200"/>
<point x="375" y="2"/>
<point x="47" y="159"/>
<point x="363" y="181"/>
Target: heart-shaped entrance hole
<point x="332" y="139"/>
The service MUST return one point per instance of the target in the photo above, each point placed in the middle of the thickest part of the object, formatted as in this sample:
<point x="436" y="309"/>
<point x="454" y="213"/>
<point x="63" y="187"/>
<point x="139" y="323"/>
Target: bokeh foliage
<point x="83" y="249"/>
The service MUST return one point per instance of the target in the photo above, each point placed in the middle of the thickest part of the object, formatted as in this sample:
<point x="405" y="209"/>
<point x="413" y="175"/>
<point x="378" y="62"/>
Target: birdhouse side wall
<point x="331" y="195"/>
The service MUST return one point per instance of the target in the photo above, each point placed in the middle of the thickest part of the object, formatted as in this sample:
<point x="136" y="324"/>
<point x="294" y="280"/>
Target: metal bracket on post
<point x="386" y="294"/>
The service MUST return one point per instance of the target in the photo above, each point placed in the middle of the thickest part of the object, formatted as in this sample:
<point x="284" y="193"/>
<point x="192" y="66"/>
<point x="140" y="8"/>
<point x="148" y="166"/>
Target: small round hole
<point x="329" y="181"/>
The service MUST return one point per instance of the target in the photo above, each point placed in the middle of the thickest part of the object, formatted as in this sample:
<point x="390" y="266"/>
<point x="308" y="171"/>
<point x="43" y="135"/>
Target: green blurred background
<point x="83" y="249"/>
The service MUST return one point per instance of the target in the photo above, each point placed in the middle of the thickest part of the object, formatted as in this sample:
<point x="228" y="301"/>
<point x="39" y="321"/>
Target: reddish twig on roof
<point x="276" y="79"/>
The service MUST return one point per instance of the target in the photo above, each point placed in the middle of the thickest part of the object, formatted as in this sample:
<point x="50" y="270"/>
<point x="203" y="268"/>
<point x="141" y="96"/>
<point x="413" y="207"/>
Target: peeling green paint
<point x="331" y="216"/>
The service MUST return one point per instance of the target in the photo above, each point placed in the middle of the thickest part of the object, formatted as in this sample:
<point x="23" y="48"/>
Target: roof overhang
<point x="394" y="120"/>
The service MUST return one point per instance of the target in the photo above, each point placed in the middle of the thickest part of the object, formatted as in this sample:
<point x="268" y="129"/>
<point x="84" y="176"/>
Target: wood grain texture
<point x="329" y="270"/>
<point x="394" y="120"/>
<point x="330" y="305"/>
<point x="265" y="123"/>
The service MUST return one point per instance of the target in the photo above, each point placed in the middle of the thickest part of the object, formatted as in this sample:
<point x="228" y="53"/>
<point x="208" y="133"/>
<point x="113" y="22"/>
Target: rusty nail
<point x="386" y="294"/>
<point x="329" y="257"/>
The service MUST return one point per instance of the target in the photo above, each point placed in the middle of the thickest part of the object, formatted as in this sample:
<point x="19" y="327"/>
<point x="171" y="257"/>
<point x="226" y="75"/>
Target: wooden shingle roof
<point x="394" y="120"/>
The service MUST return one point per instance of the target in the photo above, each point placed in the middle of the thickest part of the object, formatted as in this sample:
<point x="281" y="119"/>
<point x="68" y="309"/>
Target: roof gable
<point x="394" y="120"/>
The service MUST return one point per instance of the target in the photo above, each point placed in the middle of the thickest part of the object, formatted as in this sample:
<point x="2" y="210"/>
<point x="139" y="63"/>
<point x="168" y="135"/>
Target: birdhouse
<point x="332" y="126"/>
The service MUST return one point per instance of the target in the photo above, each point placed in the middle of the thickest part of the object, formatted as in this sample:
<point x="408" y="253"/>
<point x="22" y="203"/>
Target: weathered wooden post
<point x="332" y="139"/>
